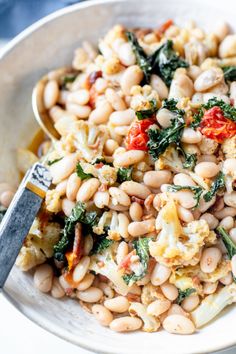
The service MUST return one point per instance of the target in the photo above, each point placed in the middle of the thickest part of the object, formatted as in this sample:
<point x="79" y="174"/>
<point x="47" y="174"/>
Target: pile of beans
<point x="103" y="94"/>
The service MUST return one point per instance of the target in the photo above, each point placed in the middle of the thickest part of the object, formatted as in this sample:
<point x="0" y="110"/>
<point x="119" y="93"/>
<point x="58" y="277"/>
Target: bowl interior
<point x="50" y="44"/>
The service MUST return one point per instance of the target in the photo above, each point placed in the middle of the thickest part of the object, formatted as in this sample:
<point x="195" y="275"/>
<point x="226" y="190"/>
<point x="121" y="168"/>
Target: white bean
<point x="57" y="290"/>
<point x="170" y="291"/>
<point x="176" y="310"/>
<point x="230" y="199"/>
<point x="133" y="75"/>
<point x="123" y="221"/>
<point x="157" y="307"/>
<point x="139" y="228"/>
<point x="90" y="295"/>
<point x="227" y="223"/>
<point x="61" y="187"/>
<point x="118" y="304"/>
<point x="207" y="169"/>
<point x="164" y="117"/>
<point x="87" y="190"/>
<point x="72" y="187"/>
<point x="154" y="179"/>
<point x="67" y="206"/>
<point x="6" y="198"/>
<point x="88" y="244"/>
<point x="182" y="179"/>
<point x="159" y="86"/>
<point x="107" y="290"/>
<point x="190" y="302"/>
<point x="221" y="30"/>
<point x="80" y="97"/>
<point x="178" y="324"/>
<point x="227" y="47"/>
<point x="160" y="274"/>
<point x="119" y="196"/>
<point x="210" y="258"/>
<point x="128" y="158"/>
<point x="232" y="234"/>
<point x="136" y="211"/>
<point x="101" y="114"/>
<point x="126" y="324"/>
<point x="122" y="251"/>
<point x="63" y="168"/>
<point x="110" y="147"/>
<point x="190" y="136"/>
<point x="185" y="198"/>
<point x="227" y="279"/>
<point x="82" y="112"/>
<point x="101" y="199"/>
<point x="210" y="219"/>
<point x="210" y="288"/>
<point x="208" y="79"/>
<point x="124" y="117"/>
<point x="115" y="100"/>
<point x="228" y="211"/>
<point x="43" y="278"/>
<point x="135" y="189"/>
<point x="81" y="269"/>
<point x="51" y="94"/>
<point x="86" y="282"/>
<point x="184" y="214"/>
<point x="103" y="315"/>
<point x="126" y="54"/>
<point x="233" y="265"/>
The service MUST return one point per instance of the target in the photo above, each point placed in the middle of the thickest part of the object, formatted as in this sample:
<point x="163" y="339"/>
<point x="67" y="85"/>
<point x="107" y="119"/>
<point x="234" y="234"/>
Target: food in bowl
<point x="139" y="224"/>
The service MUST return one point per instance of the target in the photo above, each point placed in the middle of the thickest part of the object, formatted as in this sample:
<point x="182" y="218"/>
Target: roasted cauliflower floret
<point x="109" y="219"/>
<point x="150" y="323"/>
<point x="53" y="201"/>
<point x="38" y="245"/>
<point x="170" y="160"/>
<point x="229" y="148"/>
<point x="207" y="146"/>
<point x="107" y="175"/>
<point x="177" y="245"/>
<point x="150" y="293"/>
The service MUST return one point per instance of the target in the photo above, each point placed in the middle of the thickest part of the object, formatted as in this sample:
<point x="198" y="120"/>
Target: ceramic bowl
<point x="50" y="44"/>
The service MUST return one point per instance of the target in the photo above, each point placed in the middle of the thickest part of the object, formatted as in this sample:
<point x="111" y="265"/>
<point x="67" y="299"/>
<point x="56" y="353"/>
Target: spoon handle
<point x="20" y="216"/>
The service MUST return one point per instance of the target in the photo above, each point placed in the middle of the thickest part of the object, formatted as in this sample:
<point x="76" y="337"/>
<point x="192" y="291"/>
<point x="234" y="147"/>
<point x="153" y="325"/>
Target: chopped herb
<point x="100" y="244"/>
<point x="142" y="250"/>
<point x="124" y="174"/>
<point x="164" y="61"/>
<point x="78" y="214"/>
<point x="50" y="163"/>
<point x="218" y="184"/>
<point x="229" y="73"/>
<point x="197" y="191"/>
<point x="81" y="174"/>
<point x="183" y="294"/>
<point x="146" y="113"/>
<point x="197" y="117"/>
<point x="228" y="242"/>
<point x="68" y="79"/>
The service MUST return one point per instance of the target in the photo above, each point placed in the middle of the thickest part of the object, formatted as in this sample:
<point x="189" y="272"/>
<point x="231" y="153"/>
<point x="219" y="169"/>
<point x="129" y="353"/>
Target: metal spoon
<point x="40" y="112"/>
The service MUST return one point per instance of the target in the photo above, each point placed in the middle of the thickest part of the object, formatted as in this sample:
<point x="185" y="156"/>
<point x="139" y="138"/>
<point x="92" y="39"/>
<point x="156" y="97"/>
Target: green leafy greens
<point x="81" y="174"/>
<point x="218" y="184"/>
<point x="183" y="294"/>
<point x="197" y="191"/>
<point x="68" y="79"/>
<point x="142" y="250"/>
<point x="229" y="73"/>
<point x="51" y="162"/>
<point x="124" y="174"/>
<point x="228" y="242"/>
<point x="78" y="214"/>
<point x="100" y="244"/>
<point x="164" y="61"/>
<point x="146" y="113"/>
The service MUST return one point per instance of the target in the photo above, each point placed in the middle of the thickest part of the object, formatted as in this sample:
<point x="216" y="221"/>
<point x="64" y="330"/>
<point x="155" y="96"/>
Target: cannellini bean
<point x="118" y="304"/>
<point x="136" y="211"/>
<point x="160" y="274"/>
<point x="182" y="179"/>
<point x="135" y="189"/>
<point x="191" y="136"/>
<point x="51" y="94"/>
<point x="228" y="211"/>
<point x="72" y="187"/>
<point x="207" y="169"/>
<point x="211" y="220"/>
<point x="101" y="114"/>
<point x="210" y="288"/>
<point x="117" y="207"/>
<point x="232" y="234"/>
<point x="122" y="130"/>
<point x="208" y="79"/>
<point x="204" y="206"/>
<point x="227" y="47"/>
<point x="124" y="117"/>
<point x="123" y="225"/>
<point x="157" y="307"/>
<point x="82" y="112"/>
<point x="126" y="324"/>
<point x="90" y="295"/>
<point x="181" y="86"/>
<point x="227" y="223"/>
<point x="133" y="75"/>
<point x="164" y="117"/>
<point x="101" y="85"/>
<point x="210" y="258"/>
<point x="86" y="282"/>
<point x="101" y="199"/>
<point x="139" y="228"/>
<point x="227" y="279"/>
<point x="115" y="100"/>
<point x="87" y="189"/>
<point x="67" y="206"/>
<point x="159" y="86"/>
<point x="110" y="146"/>
<point x="43" y="278"/>
<point x="122" y="251"/>
<point x="190" y="303"/>
<point x="170" y="291"/>
<point x="178" y="324"/>
<point x="119" y="196"/>
<point x="176" y="310"/>
<point x="88" y="245"/>
<point x="63" y="168"/>
<point x="80" y="97"/>
<point x="126" y="54"/>
<point x="230" y="199"/>
<point x="233" y="265"/>
<point x="184" y="214"/>
<point x="207" y="158"/>
<point x="103" y="315"/>
<point x="6" y="198"/>
<point x="107" y="290"/>
<point x="221" y="30"/>
<point x="81" y="269"/>
<point x="185" y="199"/>
<point x="193" y="72"/>
<point x="128" y="158"/>
<point x="154" y="179"/>
<point x="61" y="187"/>
<point x="57" y="290"/>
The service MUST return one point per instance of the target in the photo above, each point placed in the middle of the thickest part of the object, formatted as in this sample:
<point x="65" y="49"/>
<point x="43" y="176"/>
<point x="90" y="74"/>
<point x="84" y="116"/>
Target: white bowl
<point x="49" y="44"/>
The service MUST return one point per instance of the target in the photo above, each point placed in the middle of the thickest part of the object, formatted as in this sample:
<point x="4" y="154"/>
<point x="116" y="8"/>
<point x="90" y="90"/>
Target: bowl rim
<point x="44" y="325"/>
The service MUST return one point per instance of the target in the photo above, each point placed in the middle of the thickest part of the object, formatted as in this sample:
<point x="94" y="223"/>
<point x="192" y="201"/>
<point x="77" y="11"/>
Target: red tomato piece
<point x="165" y="26"/>
<point x="216" y="126"/>
<point x="137" y="136"/>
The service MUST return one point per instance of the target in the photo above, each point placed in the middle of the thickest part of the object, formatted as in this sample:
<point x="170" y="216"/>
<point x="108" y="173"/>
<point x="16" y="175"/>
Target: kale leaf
<point x="197" y="191"/>
<point x="81" y="174"/>
<point x="229" y="73"/>
<point x="190" y="161"/>
<point x="146" y="113"/>
<point x="142" y="250"/>
<point x="51" y="162"/>
<point x="183" y="294"/>
<point x="229" y="244"/>
<point x="218" y="184"/>
<point x="78" y="214"/>
<point x="100" y="244"/>
<point x="124" y="174"/>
